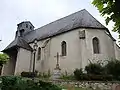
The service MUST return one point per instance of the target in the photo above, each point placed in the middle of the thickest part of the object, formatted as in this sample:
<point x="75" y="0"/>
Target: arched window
<point x="96" y="48"/>
<point x="26" y="25"/>
<point x="39" y="54"/>
<point x="63" y="48"/>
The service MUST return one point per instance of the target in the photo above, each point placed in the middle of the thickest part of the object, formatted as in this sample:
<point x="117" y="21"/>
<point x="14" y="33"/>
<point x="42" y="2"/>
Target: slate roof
<point x="80" y="19"/>
<point x="18" y="42"/>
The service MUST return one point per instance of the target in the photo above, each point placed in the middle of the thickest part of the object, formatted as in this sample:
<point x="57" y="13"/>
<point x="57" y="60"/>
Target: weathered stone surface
<point x="56" y="74"/>
<point x="96" y="85"/>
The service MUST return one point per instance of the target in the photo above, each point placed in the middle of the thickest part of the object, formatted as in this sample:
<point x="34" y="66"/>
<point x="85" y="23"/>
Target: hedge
<point x="18" y="83"/>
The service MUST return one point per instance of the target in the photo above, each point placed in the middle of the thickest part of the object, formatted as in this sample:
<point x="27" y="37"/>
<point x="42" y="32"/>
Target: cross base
<point x="57" y="67"/>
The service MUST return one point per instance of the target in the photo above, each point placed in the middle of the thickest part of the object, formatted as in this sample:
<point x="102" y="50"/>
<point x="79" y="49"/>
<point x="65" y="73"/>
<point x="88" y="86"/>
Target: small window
<point x="63" y="48"/>
<point x="96" y="48"/>
<point x="26" y="25"/>
<point x="30" y="27"/>
<point x="39" y="54"/>
<point x="19" y="25"/>
<point x="21" y="32"/>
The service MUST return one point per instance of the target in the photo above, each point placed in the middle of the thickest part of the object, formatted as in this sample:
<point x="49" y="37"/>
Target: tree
<point x="3" y="59"/>
<point x="110" y="9"/>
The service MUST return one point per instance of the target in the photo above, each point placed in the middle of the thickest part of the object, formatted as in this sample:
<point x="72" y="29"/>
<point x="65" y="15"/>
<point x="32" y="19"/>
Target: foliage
<point x="113" y="68"/>
<point x="3" y="58"/>
<point x="17" y="83"/>
<point x="28" y="74"/>
<point x="100" y="77"/>
<point x="81" y="76"/>
<point x="95" y="71"/>
<point x="77" y="73"/>
<point x="111" y="10"/>
<point x="67" y="77"/>
<point x="94" y="68"/>
<point x="44" y="75"/>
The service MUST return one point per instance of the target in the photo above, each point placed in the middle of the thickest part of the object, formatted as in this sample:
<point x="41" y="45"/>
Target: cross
<point x="57" y="64"/>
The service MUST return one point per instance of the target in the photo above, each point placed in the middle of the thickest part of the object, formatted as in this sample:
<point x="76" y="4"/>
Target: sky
<point x="39" y="13"/>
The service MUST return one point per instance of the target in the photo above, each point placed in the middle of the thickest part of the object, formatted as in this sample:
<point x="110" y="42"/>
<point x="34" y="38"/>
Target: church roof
<point x="18" y="42"/>
<point x="80" y="19"/>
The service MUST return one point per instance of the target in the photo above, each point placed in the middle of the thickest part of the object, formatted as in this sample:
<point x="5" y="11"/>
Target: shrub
<point x="29" y="74"/>
<point x="17" y="83"/>
<point x="94" y="76"/>
<point x="67" y="77"/>
<point x="86" y="77"/>
<point x="101" y="77"/>
<point x="44" y="75"/>
<point x="77" y="73"/>
<point x="113" y="68"/>
<point x="94" y="68"/>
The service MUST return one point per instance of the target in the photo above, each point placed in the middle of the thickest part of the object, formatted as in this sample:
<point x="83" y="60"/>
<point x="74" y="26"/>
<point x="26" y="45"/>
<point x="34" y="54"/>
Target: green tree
<point x="110" y="9"/>
<point x="3" y="59"/>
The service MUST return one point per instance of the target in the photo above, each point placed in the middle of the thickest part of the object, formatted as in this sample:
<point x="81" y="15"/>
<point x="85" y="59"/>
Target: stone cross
<point x="57" y="64"/>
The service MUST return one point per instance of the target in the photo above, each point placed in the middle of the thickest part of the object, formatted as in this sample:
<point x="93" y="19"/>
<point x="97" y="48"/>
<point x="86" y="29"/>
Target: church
<point x="72" y="42"/>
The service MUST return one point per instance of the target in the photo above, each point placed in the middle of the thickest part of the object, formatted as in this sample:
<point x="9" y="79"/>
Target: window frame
<point x="96" y="45"/>
<point x="63" y="48"/>
<point x="39" y="53"/>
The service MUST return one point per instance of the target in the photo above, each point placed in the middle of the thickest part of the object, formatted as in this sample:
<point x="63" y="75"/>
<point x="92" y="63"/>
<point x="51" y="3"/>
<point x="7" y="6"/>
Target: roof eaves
<point x="55" y="34"/>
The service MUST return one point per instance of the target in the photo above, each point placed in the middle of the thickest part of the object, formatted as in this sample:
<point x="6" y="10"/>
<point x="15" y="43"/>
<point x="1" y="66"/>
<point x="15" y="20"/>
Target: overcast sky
<point x="39" y="12"/>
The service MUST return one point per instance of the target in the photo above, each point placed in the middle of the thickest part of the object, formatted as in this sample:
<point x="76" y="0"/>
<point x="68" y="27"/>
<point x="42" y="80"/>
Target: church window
<point x="96" y="48"/>
<point x="26" y="26"/>
<point x="21" y="32"/>
<point x="39" y="54"/>
<point x="30" y="27"/>
<point x="63" y="48"/>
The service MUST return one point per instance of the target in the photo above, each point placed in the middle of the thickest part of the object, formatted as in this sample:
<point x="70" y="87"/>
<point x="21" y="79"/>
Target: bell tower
<point x="23" y="28"/>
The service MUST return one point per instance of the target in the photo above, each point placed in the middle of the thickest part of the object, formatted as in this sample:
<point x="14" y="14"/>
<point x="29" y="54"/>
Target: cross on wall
<point x="57" y="63"/>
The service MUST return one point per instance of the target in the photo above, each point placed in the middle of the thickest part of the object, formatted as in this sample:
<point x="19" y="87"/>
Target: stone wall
<point x="94" y="85"/>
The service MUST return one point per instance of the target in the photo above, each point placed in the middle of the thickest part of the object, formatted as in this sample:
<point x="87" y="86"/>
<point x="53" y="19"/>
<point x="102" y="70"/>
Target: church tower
<point x="23" y="28"/>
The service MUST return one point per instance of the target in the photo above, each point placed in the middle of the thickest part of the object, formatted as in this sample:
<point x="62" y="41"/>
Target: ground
<point x="68" y="87"/>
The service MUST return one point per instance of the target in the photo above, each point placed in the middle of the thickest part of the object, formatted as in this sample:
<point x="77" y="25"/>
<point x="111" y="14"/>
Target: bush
<point x="44" y="75"/>
<point x="86" y="77"/>
<point x="29" y="74"/>
<point x="77" y="73"/>
<point x="92" y="75"/>
<point x="111" y="71"/>
<point x="101" y="77"/>
<point x="94" y="68"/>
<point x="67" y="77"/>
<point x="17" y="83"/>
<point x="113" y="68"/>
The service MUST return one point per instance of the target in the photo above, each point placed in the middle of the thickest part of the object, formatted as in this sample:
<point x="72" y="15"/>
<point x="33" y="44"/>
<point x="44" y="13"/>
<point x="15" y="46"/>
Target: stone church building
<point x="78" y="39"/>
